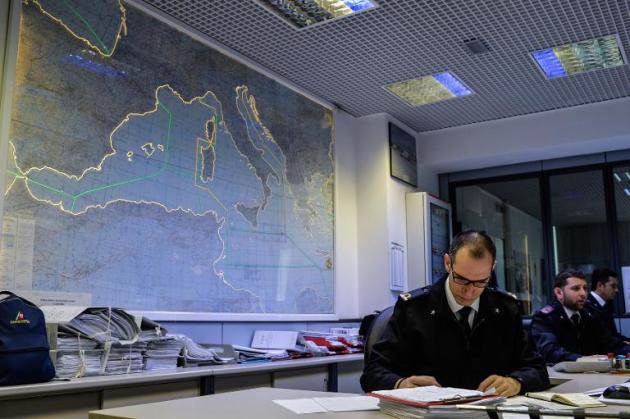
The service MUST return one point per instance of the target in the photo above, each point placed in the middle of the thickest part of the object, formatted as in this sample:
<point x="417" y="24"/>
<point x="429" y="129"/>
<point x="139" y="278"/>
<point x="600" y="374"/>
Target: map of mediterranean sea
<point x="150" y="172"/>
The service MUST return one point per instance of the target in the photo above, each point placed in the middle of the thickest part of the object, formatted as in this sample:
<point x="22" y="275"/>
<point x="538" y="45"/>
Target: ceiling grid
<point x="348" y="61"/>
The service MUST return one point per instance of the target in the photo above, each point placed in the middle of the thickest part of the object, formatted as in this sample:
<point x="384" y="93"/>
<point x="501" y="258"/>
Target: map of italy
<point x="185" y="190"/>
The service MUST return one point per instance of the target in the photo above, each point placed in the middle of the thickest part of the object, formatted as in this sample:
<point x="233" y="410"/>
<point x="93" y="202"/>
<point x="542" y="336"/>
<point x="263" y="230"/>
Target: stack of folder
<point x="76" y="357"/>
<point x="103" y="324"/>
<point x="432" y="402"/>
<point x="196" y="354"/>
<point x="162" y="353"/>
<point x="322" y="343"/>
<point x="123" y="359"/>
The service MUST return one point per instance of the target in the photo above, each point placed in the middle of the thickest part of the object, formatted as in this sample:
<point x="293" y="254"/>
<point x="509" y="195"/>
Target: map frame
<point x="7" y="85"/>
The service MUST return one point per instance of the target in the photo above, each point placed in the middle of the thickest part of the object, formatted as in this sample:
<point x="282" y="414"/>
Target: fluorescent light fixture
<point x="429" y="89"/>
<point x="579" y="57"/>
<point x="627" y="191"/>
<point x="617" y="177"/>
<point x="305" y="13"/>
<point x="627" y="175"/>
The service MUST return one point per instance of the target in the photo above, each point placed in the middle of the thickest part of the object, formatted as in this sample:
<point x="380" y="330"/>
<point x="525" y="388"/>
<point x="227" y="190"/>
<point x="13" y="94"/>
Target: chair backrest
<point x="376" y="331"/>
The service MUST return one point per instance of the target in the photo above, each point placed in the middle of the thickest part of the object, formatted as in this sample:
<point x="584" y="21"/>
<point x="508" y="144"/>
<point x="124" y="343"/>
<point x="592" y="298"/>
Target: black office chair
<point x="375" y="331"/>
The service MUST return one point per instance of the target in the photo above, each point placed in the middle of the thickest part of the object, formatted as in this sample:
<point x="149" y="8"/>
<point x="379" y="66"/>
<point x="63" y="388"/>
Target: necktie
<point x="575" y="318"/>
<point x="464" y="312"/>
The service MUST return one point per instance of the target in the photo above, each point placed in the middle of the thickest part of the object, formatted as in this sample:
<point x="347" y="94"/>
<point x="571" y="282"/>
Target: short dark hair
<point x="601" y="276"/>
<point x="478" y="243"/>
<point x="561" y="278"/>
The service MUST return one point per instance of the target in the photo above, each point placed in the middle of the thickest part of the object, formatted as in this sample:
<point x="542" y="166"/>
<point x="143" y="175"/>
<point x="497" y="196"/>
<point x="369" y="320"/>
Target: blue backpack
<point x="24" y="350"/>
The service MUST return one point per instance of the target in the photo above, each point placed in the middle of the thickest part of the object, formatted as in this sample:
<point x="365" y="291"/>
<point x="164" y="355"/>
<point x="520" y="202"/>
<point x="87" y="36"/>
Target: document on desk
<point x="432" y="395"/>
<point x="348" y="404"/>
<point x="301" y="406"/>
<point x="274" y="339"/>
<point x="330" y="404"/>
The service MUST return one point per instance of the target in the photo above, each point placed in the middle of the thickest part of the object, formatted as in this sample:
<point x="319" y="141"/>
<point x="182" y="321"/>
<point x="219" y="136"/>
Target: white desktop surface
<point x="581" y="382"/>
<point x="255" y="403"/>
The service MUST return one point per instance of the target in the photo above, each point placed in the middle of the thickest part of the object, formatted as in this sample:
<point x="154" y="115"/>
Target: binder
<point x="429" y="396"/>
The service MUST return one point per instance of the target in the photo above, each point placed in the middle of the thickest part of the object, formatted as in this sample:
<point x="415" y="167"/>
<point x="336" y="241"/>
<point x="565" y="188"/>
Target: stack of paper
<point x="163" y="353"/>
<point x="350" y="336"/>
<point x="124" y="359"/>
<point x="431" y="402"/>
<point x="196" y="354"/>
<point x="76" y="356"/>
<point x="402" y="411"/>
<point x="78" y="364"/>
<point x="246" y="354"/>
<point x="103" y="324"/>
<point x="321" y="343"/>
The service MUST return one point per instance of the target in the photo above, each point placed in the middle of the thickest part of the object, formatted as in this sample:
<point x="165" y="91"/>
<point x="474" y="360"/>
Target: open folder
<point x="431" y="396"/>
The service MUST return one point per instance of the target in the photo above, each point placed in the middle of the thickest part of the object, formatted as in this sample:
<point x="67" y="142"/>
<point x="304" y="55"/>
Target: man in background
<point x="600" y="301"/>
<point x="457" y="332"/>
<point x="564" y="331"/>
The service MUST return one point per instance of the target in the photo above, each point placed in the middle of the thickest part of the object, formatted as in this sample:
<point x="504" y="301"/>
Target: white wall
<point x="585" y="129"/>
<point x="346" y="253"/>
<point x="380" y="210"/>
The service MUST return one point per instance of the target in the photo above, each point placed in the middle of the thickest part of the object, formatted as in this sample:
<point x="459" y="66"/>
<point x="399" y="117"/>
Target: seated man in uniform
<point x="457" y="332"/>
<point x="600" y="301"/>
<point x="564" y="331"/>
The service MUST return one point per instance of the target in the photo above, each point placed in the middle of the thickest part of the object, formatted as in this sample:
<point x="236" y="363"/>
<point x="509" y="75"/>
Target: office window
<point x="580" y="233"/>
<point x="621" y="180"/>
<point x="510" y="212"/>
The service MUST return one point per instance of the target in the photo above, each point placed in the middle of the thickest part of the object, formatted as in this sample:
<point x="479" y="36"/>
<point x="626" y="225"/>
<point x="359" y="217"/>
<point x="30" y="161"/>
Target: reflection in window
<point x="578" y="218"/>
<point x="510" y="213"/>
<point x="621" y="180"/>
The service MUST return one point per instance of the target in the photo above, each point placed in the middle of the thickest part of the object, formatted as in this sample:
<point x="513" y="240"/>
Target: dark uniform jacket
<point x="423" y="337"/>
<point x="558" y="339"/>
<point x="606" y="313"/>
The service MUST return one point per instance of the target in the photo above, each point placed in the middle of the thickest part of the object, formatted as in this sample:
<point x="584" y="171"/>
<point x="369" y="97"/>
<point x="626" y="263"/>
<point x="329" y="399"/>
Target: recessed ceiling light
<point x="429" y="89"/>
<point x="579" y="57"/>
<point x="305" y="13"/>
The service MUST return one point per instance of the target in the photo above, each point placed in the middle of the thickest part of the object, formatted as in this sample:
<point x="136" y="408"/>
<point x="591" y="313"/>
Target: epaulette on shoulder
<point x="505" y="294"/>
<point x="410" y="295"/>
<point x="547" y="309"/>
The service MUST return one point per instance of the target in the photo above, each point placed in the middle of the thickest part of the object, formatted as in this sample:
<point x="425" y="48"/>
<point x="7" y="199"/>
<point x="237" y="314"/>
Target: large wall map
<point x="150" y="172"/>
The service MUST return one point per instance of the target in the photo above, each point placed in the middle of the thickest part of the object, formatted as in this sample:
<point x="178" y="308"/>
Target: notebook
<point x="571" y="399"/>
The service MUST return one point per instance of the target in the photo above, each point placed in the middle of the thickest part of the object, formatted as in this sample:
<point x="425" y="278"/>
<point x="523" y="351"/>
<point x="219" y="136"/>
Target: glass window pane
<point x="621" y="180"/>
<point x="578" y="218"/>
<point x="510" y="213"/>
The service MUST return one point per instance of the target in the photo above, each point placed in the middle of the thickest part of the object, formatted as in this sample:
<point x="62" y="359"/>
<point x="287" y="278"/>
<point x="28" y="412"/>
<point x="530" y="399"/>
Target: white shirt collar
<point x="599" y="299"/>
<point x="454" y="306"/>
<point x="570" y="312"/>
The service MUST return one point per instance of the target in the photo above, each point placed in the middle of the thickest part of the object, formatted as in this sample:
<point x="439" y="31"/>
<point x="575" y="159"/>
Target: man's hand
<point x="505" y="386"/>
<point x="418" y="381"/>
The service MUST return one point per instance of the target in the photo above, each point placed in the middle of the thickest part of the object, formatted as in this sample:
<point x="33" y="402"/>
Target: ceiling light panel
<point x="579" y="57"/>
<point x="429" y="89"/>
<point x="305" y="13"/>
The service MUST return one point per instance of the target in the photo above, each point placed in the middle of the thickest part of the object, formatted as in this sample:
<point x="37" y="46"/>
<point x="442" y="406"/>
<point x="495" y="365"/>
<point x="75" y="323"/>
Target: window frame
<point x="543" y="175"/>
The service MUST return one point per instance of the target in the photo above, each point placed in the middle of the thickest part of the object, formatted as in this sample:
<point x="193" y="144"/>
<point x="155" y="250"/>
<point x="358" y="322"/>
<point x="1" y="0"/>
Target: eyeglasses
<point x="480" y="283"/>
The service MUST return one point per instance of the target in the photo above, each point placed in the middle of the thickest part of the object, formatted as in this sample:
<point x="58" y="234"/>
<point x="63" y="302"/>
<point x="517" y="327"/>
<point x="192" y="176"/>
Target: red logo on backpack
<point x="19" y="319"/>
